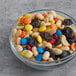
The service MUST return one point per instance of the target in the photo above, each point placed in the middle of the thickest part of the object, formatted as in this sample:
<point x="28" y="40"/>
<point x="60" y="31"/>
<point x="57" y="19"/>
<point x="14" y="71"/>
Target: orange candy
<point x="22" y="34"/>
<point x="53" y="26"/>
<point x="44" y="14"/>
<point x="22" y="20"/>
<point x="75" y="45"/>
<point x="27" y="20"/>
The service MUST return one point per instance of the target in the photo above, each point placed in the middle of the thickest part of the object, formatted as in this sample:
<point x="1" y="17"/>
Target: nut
<point x="52" y="12"/>
<point x="49" y="45"/>
<point x="51" y="31"/>
<point x="58" y="23"/>
<point x="64" y="42"/>
<point x="18" y="40"/>
<point x="19" y="48"/>
<point x="34" y="50"/>
<point x="39" y="16"/>
<point x="65" y="48"/>
<point x="28" y="54"/>
<point x="58" y="46"/>
<point x="19" y="27"/>
<point x="46" y="55"/>
<point x="18" y="33"/>
<point x="50" y="17"/>
<point x="60" y="17"/>
<point x="57" y="51"/>
<point x="35" y="34"/>
<point x="14" y="31"/>
<point x="50" y="59"/>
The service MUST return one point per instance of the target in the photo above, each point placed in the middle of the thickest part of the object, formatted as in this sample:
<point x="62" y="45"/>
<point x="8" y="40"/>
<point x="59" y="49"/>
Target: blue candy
<point x="40" y="49"/>
<point x="25" y="48"/>
<point x="28" y="37"/>
<point x="58" y="32"/>
<point x="23" y="41"/>
<point x="39" y="57"/>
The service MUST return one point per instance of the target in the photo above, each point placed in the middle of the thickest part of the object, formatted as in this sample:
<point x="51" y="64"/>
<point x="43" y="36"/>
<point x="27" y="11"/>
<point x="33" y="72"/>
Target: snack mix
<point x="44" y="37"/>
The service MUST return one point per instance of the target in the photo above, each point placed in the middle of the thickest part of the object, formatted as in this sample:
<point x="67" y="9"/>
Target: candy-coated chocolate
<point x="24" y="41"/>
<point x="40" y="49"/>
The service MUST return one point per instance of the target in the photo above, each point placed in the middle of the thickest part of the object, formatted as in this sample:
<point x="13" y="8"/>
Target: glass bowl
<point x="39" y="64"/>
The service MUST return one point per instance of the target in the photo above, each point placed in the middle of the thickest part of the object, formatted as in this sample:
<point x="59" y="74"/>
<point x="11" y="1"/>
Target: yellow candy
<point x="39" y="39"/>
<point x="63" y="36"/>
<point x="52" y="22"/>
<point x="24" y="52"/>
<point x="27" y="15"/>
<point x="28" y="27"/>
<point x="19" y="18"/>
<point x="42" y="28"/>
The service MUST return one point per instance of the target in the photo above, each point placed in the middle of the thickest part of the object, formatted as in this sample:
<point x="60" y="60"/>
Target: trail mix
<point x="44" y="37"/>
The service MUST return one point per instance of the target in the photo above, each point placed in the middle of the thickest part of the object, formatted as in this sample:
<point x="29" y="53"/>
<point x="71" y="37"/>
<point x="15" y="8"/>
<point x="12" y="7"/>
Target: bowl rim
<point x="40" y="62"/>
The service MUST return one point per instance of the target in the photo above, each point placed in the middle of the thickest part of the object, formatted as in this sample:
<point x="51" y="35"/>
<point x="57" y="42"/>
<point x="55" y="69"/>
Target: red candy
<point x="55" y="37"/>
<point x="52" y="41"/>
<point x="28" y="47"/>
<point x="55" y="19"/>
<point x="22" y="34"/>
<point x="44" y="14"/>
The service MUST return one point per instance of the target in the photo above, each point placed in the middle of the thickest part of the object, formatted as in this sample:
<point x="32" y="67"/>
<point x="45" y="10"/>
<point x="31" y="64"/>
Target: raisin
<point x="35" y="23"/>
<point x="68" y="22"/>
<point x="64" y="54"/>
<point x="47" y="36"/>
<point x="51" y="52"/>
<point x="68" y="32"/>
<point x="58" y="41"/>
<point x="71" y="40"/>
<point x="32" y="42"/>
